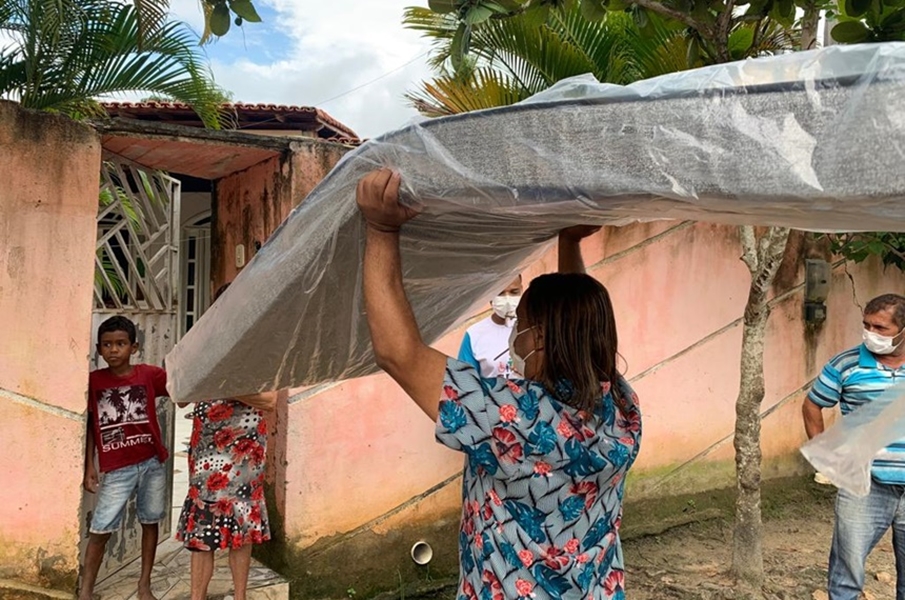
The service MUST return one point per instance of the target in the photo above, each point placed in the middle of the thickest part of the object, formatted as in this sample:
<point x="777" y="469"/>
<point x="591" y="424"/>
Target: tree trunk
<point x="809" y="22"/>
<point x="763" y="257"/>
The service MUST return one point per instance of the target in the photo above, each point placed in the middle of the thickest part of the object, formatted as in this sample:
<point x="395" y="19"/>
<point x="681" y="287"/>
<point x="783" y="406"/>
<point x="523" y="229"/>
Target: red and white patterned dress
<point x="225" y="505"/>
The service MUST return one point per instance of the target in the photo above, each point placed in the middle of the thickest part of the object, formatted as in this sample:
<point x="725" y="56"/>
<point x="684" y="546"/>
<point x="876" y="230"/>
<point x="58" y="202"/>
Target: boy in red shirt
<point x="123" y="429"/>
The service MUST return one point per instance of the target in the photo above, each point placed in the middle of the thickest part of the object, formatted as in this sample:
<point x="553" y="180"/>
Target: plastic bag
<point x="844" y="452"/>
<point x="792" y="140"/>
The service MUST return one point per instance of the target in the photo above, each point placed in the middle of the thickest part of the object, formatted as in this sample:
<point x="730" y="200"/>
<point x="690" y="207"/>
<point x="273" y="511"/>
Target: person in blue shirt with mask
<point x="851" y="379"/>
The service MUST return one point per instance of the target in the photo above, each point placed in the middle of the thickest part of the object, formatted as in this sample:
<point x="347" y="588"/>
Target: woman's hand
<point x="265" y="401"/>
<point x="579" y="232"/>
<point x="570" y="259"/>
<point x="378" y="201"/>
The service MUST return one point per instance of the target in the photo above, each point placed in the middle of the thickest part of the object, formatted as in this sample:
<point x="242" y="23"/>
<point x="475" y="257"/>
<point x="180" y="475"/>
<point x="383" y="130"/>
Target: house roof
<point x="195" y="151"/>
<point x="248" y="117"/>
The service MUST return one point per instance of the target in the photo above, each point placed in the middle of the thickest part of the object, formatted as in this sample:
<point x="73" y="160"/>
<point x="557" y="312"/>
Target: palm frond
<point x="603" y="43"/>
<point x="151" y="15"/>
<point x="104" y="272"/>
<point x="12" y="72"/>
<point x="772" y="38"/>
<point x="515" y="57"/>
<point x="660" y="49"/>
<point x="482" y="89"/>
<point x="440" y="28"/>
<point x="61" y="61"/>
<point x="535" y="56"/>
<point x="111" y="194"/>
<point x="207" y="9"/>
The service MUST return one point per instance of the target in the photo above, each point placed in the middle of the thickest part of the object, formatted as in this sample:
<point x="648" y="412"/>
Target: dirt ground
<point x="691" y="562"/>
<point x="680" y="548"/>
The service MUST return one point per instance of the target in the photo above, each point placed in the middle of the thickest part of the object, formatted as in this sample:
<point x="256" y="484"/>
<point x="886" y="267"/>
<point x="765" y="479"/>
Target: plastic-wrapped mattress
<point x="812" y="140"/>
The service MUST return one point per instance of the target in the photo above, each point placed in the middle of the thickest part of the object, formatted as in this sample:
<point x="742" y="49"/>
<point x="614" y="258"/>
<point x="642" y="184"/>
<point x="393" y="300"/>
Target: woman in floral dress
<point x="546" y="453"/>
<point x="225" y="507"/>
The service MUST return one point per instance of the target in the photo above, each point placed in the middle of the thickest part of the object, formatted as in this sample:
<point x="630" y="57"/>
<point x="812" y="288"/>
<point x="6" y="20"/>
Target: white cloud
<point x="313" y="51"/>
<point x="188" y="11"/>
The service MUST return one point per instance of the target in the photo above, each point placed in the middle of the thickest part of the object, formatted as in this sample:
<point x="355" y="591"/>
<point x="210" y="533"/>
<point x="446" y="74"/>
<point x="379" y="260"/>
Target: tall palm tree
<point x="514" y="58"/>
<point x="65" y="53"/>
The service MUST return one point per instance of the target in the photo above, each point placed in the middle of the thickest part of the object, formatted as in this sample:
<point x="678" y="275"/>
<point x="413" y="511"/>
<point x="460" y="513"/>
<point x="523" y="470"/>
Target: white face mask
<point x="504" y="306"/>
<point x="518" y="363"/>
<point x="881" y="344"/>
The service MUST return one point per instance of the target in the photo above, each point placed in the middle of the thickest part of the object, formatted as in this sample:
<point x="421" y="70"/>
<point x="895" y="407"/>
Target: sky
<point x="323" y="54"/>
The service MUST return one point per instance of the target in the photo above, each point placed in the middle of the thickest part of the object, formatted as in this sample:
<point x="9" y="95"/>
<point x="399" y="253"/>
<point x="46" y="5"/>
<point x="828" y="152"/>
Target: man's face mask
<point x="881" y="344"/>
<point x="504" y="306"/>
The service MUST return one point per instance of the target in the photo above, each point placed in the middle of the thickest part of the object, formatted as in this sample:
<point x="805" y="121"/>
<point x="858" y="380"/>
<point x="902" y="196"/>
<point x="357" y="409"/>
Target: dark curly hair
<point x="118" y="323"/>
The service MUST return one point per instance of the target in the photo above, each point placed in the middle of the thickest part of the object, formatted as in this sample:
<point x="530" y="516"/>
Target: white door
<point x="196" y="272"/>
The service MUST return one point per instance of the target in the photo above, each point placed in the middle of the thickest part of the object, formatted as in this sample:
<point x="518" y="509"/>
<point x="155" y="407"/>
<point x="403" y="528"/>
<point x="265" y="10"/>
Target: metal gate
<point x="137" y="276"/>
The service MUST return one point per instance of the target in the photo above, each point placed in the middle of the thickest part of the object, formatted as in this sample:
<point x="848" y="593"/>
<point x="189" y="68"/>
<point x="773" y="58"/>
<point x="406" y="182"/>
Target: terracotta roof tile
<point x="249" y="114"/>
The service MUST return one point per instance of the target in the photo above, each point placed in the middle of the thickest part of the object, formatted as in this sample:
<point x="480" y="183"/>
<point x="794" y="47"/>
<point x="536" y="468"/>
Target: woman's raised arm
<point x="398" y="347"/>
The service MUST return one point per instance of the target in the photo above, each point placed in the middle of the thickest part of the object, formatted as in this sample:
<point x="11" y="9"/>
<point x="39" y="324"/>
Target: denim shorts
<point x="116" y="487"/>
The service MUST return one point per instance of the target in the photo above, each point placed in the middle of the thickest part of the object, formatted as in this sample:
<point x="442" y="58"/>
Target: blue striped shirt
<point x="852" y="379"/>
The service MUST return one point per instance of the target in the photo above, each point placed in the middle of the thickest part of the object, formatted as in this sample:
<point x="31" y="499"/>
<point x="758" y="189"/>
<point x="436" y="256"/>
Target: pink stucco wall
<point x="359" y="453"/>
<point x="249" y="205"/>
<point x="48" y="205"/>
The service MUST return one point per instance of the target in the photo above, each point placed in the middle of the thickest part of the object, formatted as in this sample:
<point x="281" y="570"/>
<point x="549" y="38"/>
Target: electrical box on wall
<point x="817" y="280"/>
<point x="240" y="256"/>
<point x="814" y="312"/>
<point x="817" y="275"/>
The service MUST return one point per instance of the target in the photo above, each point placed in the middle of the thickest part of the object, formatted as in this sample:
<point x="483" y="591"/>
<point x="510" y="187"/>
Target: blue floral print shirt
<point x="542" y="490"/>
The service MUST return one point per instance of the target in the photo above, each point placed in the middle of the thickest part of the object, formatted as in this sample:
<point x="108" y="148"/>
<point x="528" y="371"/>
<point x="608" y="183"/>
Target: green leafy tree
<point x="711" y="24"/>
<point x="855" y="21"/>
<point x="66" y="53"/>
<point x="859" y="246"/>
<point x="868" y="21"/>
<point x="512" y="59"/>
<point x="218" y="16"/>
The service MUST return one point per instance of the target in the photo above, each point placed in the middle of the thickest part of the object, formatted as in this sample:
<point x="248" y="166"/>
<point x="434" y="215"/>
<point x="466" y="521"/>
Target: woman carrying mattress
<point x="547" y="452"/>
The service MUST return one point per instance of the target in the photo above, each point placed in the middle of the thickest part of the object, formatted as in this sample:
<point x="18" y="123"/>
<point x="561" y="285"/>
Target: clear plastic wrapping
<point x="812" y="140"/>
<point x="844" y="452"/>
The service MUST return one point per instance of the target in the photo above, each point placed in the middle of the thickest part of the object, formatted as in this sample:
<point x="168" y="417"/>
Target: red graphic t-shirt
<point x="123" y="413"/>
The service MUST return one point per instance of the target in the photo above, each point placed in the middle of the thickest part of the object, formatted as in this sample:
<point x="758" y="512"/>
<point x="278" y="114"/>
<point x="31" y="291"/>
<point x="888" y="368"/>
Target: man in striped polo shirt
<point x="851" y="379"/>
